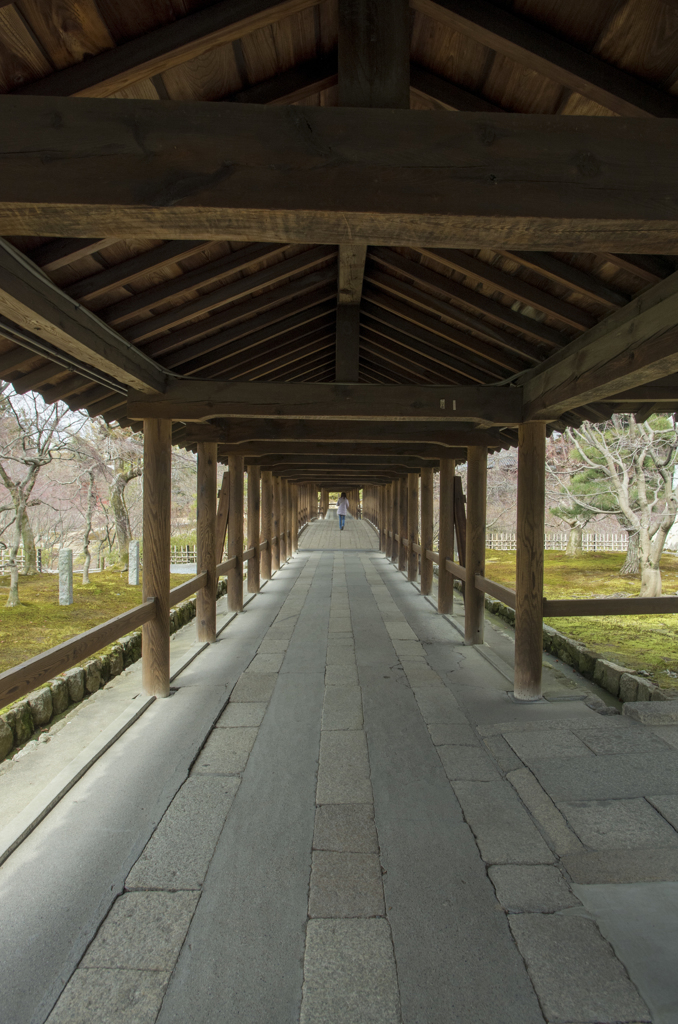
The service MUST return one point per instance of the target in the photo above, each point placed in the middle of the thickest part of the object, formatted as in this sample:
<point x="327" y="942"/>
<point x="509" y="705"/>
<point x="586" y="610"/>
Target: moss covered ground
<point x="40" y="622"/>
<point x="648" y="642"/>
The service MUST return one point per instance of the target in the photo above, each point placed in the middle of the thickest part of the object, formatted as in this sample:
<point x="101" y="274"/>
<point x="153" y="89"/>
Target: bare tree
<point x="637" y="462"/>
<point x="32" y="434"/>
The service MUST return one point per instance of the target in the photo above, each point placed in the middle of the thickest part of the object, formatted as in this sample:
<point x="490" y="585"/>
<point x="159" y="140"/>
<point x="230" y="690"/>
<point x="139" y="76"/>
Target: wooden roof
<point x="265" y="311"/>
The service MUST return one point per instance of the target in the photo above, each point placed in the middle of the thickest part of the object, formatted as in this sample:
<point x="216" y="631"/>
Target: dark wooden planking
<point x="28" y="298"/>
<point x="32" y="380"/>
<point x="424" y="178"/>
<point x="137" y="266"/>
<point x="59" y="253"/>
<point x="428" y="303"/>
<point x="238" y="431"/>
<point x="418" y="371"/>
<point x="445" y="94"/>
<point x="630" y="348"/>
<point x="414" y="354"/>
<point x="509" y="284"/>
<point x="569" y="276"/>
<point x="424" y="451"/>
<point x="164" y="47"/>
<point x="233" y="263"/>
<point x="476" y="301"/>
<point x="347" y="343"/>
<point x="374" y="54"/>
<point x="228" y="293"/>
<point x="267" y="357"/>
<point x="465" y="347"/>
<point x="295" y="84"/>
<point x="536" y="48"/>
<point x="201" y="400"/>
<point x="650" y="269"/>
<point x="278" y="302"/>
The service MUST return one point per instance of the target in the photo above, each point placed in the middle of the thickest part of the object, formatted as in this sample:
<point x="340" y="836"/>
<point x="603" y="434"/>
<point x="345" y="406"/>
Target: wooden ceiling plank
<point x="510" y="284"/>
<point x="535" y="47"/>
<point x="428" y="303"/>
<point x="462" y="346"/>
<point x="445" y="94"/>
<point x="251" y="361"/>
<point x="164" y="47"/>
<point x="229" y="293"/>
<point x="52" y="255"/>
<point x="476" y="301"/>
<point x="290" y="86"/>
<point x="208" y="173"/>
<point x="650" y="269"/>
<point x="232" y="263"/>
<point x="221" y="355"/>
<point x="419" y="372"/>
<point x="34" y="379"/>
<point x="630" y="348"/>
<point x="29" y="299"/>
<point x="200" y="400"/>
<point x="121" y="274"/>
<point x="64" y="388"/>
<point x="296" y="362"/>
<point x="276" y="303"/>
<point x="14" y="360"/>
<point x="432" y="354"/>
<point x="385" y="374"/>
<point x="569" y="276"/>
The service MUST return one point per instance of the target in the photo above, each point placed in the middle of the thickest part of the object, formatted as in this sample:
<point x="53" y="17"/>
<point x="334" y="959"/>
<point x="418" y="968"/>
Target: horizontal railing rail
<point x="610" y="606"/>
<point x="185" y="590"/>
<point x="497" y="590"/>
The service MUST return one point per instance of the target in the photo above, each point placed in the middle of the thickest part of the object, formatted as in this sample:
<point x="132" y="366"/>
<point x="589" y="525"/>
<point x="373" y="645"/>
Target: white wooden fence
<point x="554" y="541"/>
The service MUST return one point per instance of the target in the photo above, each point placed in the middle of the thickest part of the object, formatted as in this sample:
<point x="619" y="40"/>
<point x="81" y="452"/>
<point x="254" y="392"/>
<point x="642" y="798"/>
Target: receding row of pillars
<point x="276" y="509"/>
<point x="402" y="511"/>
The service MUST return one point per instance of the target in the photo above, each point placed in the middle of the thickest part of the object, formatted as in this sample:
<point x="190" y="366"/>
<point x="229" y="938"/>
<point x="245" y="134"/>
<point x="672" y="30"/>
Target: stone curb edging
<point x="35" y="711"/>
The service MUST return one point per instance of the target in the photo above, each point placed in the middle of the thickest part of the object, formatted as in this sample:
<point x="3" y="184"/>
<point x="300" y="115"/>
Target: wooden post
<point x="325" y="500"/>
<point x="155" y="662"/>
<point x="294" y="536"/>
<point x="275" y="550"/>
<point x="236" y="468"/>
<point x="395" y="520"/>
<point x="283" y="521"/>
<point x="383" y="518"/>
<point x="446" y="536"/>
<point x="206" y="598"/>
<point x="412" y="525"/>
<point x="222" y="517"/>
<point x="476" y="500"/>
<point x="266" y="522"/>
<point x="253" y="527"/>
<point x="402" y="522"/>
<point x="530" y="561"/>
<point x="426" y="529"/>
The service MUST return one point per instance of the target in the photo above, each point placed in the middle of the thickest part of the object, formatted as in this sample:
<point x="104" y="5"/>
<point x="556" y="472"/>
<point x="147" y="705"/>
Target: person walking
<point x="342" y="508"/>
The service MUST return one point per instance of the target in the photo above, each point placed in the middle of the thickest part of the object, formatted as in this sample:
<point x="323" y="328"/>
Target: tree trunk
<point x="650" y="581"/>
<point x="631" y="566"/>
<point x="30" y="556"/>
<point x="121" y="516"/>
<point x="13" y="596"/>
<point x="574" y="542"/>
<point x="85" y="568"/>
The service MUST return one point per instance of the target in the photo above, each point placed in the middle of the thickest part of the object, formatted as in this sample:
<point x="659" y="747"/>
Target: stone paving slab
<point x="467" y="764"/>
<point x="589" y="867"/>
<point x="531" y="745"/>
<point x="618" y="824"/>
<point x="180" y="850"/>
<point x="575" y="972"/>
<point x="667" y="807"/>
<point x="346" y="828"/>
<point x="622" y="741"/>
<point x="345" y="885"/>
<point x="531" y="888"/>
<point x="342" y="708"/>
<point x="613" y="776"/>
<point x="111" y="997"/>
<point x="453" y="735"/>
<point x="349" y="974"/>
<point x="144" y="931"/>
<point x="344" y="771"/>
<point x="254" y="687"/>
<point x="501" y="825"/>
<point x="238" y="715"/>
<point x="226" y="752"/>
<point x="544" y="811"/>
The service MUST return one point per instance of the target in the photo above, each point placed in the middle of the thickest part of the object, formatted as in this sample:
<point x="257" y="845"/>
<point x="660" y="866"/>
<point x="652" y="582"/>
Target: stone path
<point x="373" y="832"/>
<point x="325" y="535"/>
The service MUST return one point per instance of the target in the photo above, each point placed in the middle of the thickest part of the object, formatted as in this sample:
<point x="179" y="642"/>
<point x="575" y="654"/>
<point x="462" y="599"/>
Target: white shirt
<point x="342" y="505"/>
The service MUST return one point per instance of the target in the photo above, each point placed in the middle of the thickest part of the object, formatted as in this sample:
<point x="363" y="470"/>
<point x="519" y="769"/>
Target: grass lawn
<point x="40" y="622"/>
<point x="640" y="641"/>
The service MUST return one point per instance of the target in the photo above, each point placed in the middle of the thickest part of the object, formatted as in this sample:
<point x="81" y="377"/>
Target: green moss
<point x="648" y="642"/>
<point x="40" y="622"/>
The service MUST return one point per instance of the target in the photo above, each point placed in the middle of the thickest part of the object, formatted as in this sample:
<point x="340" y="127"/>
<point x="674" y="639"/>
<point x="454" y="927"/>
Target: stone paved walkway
<point x="373" y="832"/>
<point x="324" y="534"/>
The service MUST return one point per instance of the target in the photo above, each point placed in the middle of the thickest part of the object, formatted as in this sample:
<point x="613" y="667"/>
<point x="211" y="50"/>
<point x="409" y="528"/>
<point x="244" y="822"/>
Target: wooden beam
<point x="347" y="344"/>
<point x="536" y="48"/>
<point x="120" y="274"/>
<point x="53" y="255"/>
<point x="204" y="168"/>
<point x="351" y="271"/>
<point x="29" y="299"/>
<point x="297" y="83"/>
<point x="529" y="651"/>
<point x="155" y="661"/>
<point x="270" y="448"/>
<point x="571" y="277"/>
<point x="339" y="460"/>
<point x="630" y="348"/>
<point x="445" y="95"/>
<point x="236" y="431"/>
<point x="164" y="47"/>
<point x="202" y="400"/>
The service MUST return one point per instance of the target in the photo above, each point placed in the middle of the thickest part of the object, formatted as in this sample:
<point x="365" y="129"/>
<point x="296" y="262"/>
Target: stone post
<point x="65" y="576"/>
<point x="133" y="572"/>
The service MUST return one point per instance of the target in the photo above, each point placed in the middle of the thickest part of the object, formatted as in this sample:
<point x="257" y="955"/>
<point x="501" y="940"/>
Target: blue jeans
<point x="342" y="520"/>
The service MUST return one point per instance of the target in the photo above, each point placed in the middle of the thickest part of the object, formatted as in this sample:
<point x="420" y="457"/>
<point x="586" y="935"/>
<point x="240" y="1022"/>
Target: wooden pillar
<point x="426" y="529"/>
<point x="446" y="536"/>
<point x="206" y="599"/>
<point x="236" y="467"/>
<point x="383" y="519"/>
<point x="266" y="522"/>
<point x="347" y="343"/>
<point x="395" y="520"/>
<point x="476" y="500"/>
<point x="402" y="522"/>
<point x="294" y="537"/>
<point x="530" y="561"/>
<point x="284" y="555"/>
<point x="324" y="500"/>
<point x="275" y="550"/>
<point x="155" y="662"/>
<point x="253" y="527"/>
<point x="412" y="525"/>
